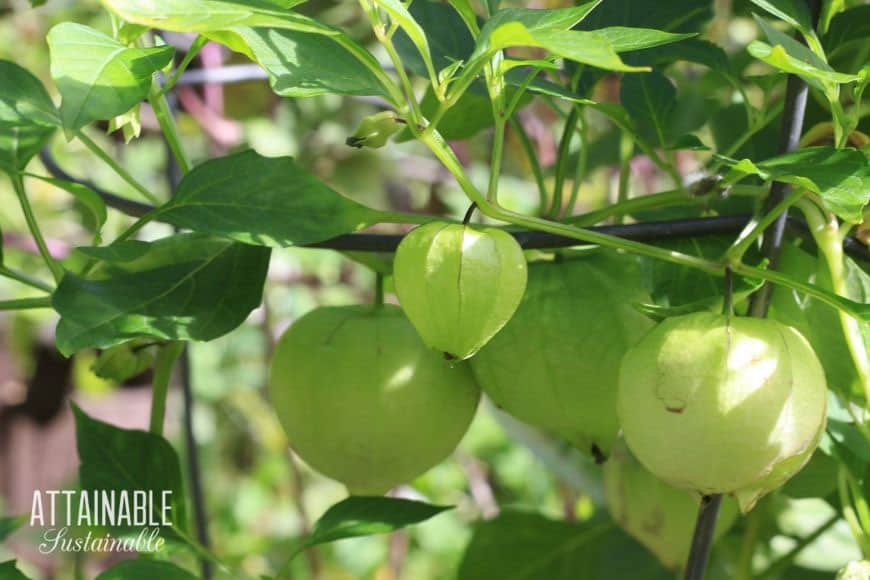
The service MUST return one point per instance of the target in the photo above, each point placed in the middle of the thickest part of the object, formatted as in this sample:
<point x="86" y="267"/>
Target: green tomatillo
<point x="363" y="401"/>
<point x="555" y="364"/>
<point x="459" y="284"/>
<point x="659" y="516"/>
<point x="719" y="404"/>
<point x="375" y="130"/>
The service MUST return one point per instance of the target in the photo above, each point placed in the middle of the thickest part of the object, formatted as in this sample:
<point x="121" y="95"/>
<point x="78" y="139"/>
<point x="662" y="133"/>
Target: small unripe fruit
<point x="459" y="284"/>
<point x="375" y="130"/>
<point x="555" y="364"/>
<point x="363" y="401"/>
<point x="659" y="516"/>
<point x="719" y="405"/>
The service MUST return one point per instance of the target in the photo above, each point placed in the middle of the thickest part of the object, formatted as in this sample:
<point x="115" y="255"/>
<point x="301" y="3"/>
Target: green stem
<point x="185" y="62"/>
<point x="582" y="160"/>
<point x="747" y="549"/>
<point x="844" y="492"/>
<point x="495" y="161"/>
<point x="470" y="72"/>
<point x="378" y="300"/>
<point x="635" y="204"/>
<point x="123" y="173"/>
<point x="33" y="226"/>
<point x="166" y="357"/>
<point x="626" y="149"/>
<point x="535" y="165"/>
<point x="167" y="124"/>
<point x="755" y="228"/>
<point x="25" y="303"/>
<point x="562" y="161"/>
<point x="25" y="279"/>
<point x="825" y="231"/>
<point x="401" y="217"/>
<point x="784" y="561"/>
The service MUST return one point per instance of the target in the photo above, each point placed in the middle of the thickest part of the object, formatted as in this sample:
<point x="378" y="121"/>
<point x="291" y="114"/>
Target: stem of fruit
<point x="33" y="226"/>
<point x="122" y="173"/>
<point x="25" y="279"/>
<point x="166" y="357"/>
<point x="825" y="231"/>
<point x="702" y="539"/>
<point x="25" y="303"/>
<point x="378" y="300"/>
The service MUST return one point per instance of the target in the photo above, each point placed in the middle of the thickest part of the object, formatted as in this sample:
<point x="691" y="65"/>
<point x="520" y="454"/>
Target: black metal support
<point x="702" y="540"/>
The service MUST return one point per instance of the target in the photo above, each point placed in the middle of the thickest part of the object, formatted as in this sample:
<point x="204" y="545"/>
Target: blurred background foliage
<point x="260" y="499"/>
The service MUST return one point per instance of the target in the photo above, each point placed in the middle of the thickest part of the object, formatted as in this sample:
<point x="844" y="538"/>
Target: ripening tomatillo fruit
<point x="659" y="516"/>
<point x="375" y="130"/>
<point x="555" y="364"/>
<point x="719" y="405"/>
<point x="363" y="401"/>
<point x="459" y="284"/>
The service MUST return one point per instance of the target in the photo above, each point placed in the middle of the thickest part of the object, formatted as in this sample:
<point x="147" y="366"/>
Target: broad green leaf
<point x="584" y="47"/>
<point x="650" y="100"/>
<point x="215" y="15"/>
<point x="130" y="460"/>
<point x="85" y="196"/>
<point x="449" y="39"/>
<point x="465" y="10"/>
<point x="625" y="39"/>
<point x="184" y="287"/>
<point x="670" y="16"/>
<point x="840" y="176"/>
<point x="302" y="64"/>
<point x="818" y="322"/>
<point x="777" y="57"/>
<point x="145" y="570"/>
<point x="532" y="20"/>
<point x="399" y="14"/>
<point x="8" y="571"/>
<point x="97" y="76"/>
<point x="8" y="525"/>
<point x="795" y="12"/>
<point x="28" y="118"/>
<point x="691" y="50"/>
<point x="793" y="47"/>
<point x="525" y="546"/>
<point x="363" y="516"/>
<point x="849" y="27"/>
<point x="262" y="200"/>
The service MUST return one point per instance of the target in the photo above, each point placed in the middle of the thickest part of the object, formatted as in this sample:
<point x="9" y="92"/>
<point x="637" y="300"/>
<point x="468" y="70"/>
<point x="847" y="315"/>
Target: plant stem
<point x="534" y="164"/>
<point x="582" y="160"/>
<point x="378" y="299"/>
<point x="778" y="566"/>
<point x="495" y="161"/>
<point x="756" y="228"/>
<point x="747" y="549"/>
<point x="194" y="49"/>
<point x="122" y="173"/>
<point x="167" y="125"/>
<point x="825" y="231"/>
<point x="629" y="206"/>
<point x="562" y="160"/>
<point x="166" y="357"/>
<point x="702" y="540"/>
<point x="25" y="279"/>
<point x="33" y="226"/>
<point x="25" y="303"/>
<point x="626" y="149"/>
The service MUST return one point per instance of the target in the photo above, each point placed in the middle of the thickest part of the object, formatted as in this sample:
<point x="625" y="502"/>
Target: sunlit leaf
<point x="28" y="117"/>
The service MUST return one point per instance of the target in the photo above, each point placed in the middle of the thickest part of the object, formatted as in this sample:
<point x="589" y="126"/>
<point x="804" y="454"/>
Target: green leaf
<point x="302" y="64"/>
<point x="795" y="12"/>
<point x="85" y="196"/>
<point x="691" y="50"/>
<point x="145" y="570"/>
<point x="525" y="546"/>
<point x="531" y="20"/>
<point x="8" y="525"/>
<point x="214" y="15"/>
<point x="650" y="100"/>
<point x="625" y="39"/>
<point x="262" y="200"/>
<point x="184" y="287"/>
<point x="97" y="76"/>
<point x="840" y="176"/>
<point x="449" y="38"/>
<point x="777" y="57"/>
<point x="670" y="16"/>
<point x="28" y="118"/>
<point x="584" y="47"/>
<point x="849" y="27"/>
<point x="465" y="10"/>
<point x="127" y="460"/>
<point x="400" y="15"/>
<point x="364" y="516"/>
<point x="8" y="571"/>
